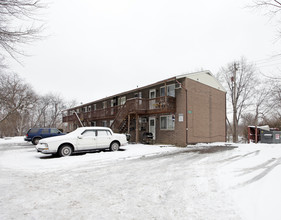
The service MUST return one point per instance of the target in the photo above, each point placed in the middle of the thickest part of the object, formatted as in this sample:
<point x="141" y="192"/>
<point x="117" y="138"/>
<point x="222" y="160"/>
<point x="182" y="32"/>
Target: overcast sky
<point x="98" y="48"/>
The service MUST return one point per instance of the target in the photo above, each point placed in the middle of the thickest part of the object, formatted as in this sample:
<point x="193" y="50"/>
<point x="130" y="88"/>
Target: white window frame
<point x="161" y="91"/>
<point x="171" y="90"/>
<point x="123" y="100"/>
<point x="104" y="123"/>
<point x="110" y="123"/>
<point x="169" y="123"/>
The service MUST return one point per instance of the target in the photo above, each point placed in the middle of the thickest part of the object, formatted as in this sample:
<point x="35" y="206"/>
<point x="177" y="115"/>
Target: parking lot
<point x="140" y="182"/>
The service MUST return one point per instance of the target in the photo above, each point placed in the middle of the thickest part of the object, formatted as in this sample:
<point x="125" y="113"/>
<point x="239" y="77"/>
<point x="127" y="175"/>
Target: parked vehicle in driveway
<point x="82" y="139"/>
<point x="35" y="134"/>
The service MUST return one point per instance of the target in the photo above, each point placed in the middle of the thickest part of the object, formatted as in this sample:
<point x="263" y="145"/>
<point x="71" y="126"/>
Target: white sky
<point x="98" y="48"/>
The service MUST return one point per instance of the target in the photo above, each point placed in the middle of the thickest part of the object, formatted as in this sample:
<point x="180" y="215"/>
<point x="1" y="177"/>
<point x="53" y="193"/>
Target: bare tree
<point x="240" y="79"/>
<point x="16" y="98"/>
<point x="273" y="6"/>
<point x="48" y="111"/>
<point x="17" y="24"/>
<point x="262" y="104"/>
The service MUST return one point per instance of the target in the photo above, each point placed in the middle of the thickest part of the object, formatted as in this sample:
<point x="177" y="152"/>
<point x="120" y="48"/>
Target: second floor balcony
<point x="132" y="106"/>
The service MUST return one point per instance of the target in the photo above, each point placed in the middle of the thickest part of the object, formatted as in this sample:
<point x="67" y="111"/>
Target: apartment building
<point x="185" y="109"/>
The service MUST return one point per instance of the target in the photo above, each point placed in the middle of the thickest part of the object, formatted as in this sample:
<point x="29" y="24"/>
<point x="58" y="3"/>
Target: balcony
<point x="132" y="106"/>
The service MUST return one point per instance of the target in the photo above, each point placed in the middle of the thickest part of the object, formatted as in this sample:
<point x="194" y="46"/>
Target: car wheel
<point x="114" y="146"/>
<point x="35" y="141"/>
<point x="65" y="150"/>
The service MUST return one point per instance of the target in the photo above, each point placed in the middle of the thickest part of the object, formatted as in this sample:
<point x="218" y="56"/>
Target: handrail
<point x="131" y="106"/>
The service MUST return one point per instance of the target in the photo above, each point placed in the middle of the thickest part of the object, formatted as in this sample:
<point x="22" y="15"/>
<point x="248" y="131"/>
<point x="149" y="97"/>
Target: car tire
<point x="35" y="141"/>
<point x="65" y="150"/>
<point x="114" y="146"/>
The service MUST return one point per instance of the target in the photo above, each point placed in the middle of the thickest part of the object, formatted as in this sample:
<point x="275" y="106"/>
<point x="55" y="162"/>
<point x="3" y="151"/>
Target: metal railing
<point x="134" y="105"/>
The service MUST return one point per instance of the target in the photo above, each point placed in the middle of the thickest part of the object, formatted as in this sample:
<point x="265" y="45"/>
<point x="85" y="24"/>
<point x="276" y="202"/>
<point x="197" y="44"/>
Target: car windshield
<point x="78" y="131"/>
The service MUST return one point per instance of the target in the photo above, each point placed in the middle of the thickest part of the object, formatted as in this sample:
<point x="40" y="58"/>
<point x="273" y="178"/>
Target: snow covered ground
<point x="141" y="182"/>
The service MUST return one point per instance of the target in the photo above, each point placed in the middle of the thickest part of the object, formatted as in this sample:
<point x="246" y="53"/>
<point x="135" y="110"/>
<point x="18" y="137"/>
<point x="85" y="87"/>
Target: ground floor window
<point x="110" y="123"/>
<point x="104" y="123"/>
<point x="167" y="122"/>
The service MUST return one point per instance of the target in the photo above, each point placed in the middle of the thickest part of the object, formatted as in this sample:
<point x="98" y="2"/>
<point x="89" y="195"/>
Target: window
<point x="104" y="104"/>
<point x="45" y="131"/>
<point x="84" y="109"/>
<point x="33" y="130"/>
<point x="167" y="122"/>
<point x="103" y="133"/>
<point x="93" y="123"/>
<point x="54" y="131"/>
<point x="162" y="91"/>
<point x="170" y="90"/>
<point x="122" y="100"/>
<point x="89" y="133"/>
<point x="104" y="123"/>
<point x="95" y="107"/>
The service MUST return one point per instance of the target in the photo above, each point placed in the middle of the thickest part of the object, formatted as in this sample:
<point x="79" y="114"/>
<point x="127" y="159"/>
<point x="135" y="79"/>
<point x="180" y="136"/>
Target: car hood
<point x="57" y="138"/>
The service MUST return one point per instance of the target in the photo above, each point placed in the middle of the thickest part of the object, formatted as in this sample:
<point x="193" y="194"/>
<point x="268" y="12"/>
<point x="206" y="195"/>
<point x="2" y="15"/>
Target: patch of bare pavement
<point x="212" y="149"/>
<point x="194" y="150"/>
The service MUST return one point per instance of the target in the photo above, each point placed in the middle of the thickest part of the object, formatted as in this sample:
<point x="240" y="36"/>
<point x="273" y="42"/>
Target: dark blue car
<point x="35" y="134"/>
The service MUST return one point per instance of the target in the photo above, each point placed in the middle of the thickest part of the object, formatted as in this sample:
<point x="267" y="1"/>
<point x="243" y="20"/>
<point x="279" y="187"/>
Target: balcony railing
<point x="135" y="105"/>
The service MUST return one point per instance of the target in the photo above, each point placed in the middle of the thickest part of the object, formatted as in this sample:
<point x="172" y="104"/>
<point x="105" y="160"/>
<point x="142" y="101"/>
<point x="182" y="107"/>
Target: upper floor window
<point x="104" y="104"/>
<point x="95" y="107"/>
<point x="122" y="100"/>
<point x="170" y="90"/>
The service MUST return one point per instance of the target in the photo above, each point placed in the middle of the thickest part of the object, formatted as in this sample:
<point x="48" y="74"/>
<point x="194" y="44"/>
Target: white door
<point x="152" y="126"/>
<point x="152" y="95"/>
<point x="87" y="140"/>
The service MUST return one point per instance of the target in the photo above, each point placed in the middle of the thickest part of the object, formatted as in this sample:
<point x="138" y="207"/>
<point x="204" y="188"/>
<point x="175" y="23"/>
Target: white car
<point x="82" y="139"/>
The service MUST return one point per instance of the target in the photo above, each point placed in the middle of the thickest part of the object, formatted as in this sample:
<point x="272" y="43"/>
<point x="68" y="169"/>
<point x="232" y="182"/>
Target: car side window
<point x="33" y="130"/>
<point x="45" y="131"/>
<point x="89" y="133"/>
<point x="103" y="133"/>
<point x="54" y="131"/>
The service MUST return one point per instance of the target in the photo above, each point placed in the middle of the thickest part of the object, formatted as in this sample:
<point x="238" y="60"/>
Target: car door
<point x="45" y="132"/>
<point x="87" y="140"/>
<point x="103" y="139"/>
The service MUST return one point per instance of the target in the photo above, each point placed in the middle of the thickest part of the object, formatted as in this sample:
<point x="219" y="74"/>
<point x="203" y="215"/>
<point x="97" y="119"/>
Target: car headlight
<point x="44" y="146"/>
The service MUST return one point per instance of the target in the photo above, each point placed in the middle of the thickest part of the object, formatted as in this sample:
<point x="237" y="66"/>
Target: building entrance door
<point x="152" y="126"/>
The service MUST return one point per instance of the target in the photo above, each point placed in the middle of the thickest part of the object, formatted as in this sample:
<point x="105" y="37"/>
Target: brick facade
<point x="194" y="113"/>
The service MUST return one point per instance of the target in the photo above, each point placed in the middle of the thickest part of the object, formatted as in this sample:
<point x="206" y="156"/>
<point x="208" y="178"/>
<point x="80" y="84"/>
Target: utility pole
<point x="234" y="91"/>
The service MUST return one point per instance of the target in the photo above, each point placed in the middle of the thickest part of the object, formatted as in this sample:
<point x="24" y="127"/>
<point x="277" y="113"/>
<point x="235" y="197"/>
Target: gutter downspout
<point x="186" y="112"/>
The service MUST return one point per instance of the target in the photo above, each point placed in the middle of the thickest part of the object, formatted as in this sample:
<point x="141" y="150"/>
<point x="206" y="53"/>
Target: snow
<point x="213" y="181"/>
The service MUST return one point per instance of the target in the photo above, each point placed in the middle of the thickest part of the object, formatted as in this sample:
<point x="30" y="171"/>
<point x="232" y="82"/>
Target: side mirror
<point x="80" y="136"/>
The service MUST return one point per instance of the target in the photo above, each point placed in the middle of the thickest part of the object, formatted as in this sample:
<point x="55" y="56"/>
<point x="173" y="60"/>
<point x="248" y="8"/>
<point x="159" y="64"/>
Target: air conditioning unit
<point x="178" y="86"/>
